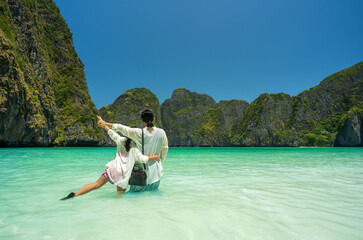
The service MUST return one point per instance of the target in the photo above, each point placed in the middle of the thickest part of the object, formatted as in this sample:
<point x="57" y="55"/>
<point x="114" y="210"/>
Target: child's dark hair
<point x="127" y="144"/>
<point x="147" y="116"/>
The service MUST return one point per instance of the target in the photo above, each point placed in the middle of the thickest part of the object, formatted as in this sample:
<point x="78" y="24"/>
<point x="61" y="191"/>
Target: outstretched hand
<point x="101" y="122"/>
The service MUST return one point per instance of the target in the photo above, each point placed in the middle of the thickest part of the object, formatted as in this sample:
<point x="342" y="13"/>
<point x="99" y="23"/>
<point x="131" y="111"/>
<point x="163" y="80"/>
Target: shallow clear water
<point x="206" y="193"/>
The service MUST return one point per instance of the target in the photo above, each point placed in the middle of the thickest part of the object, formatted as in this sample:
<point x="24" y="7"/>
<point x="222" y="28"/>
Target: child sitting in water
<point x="119" y="170"/>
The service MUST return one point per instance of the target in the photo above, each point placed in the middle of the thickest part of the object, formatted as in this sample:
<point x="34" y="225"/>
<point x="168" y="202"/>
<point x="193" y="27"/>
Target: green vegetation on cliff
<point x="192" y="119"/>
<point x="265" y="122"/>
<point x="43" y="93"/>
<point x="320" y="112"/>
<point x="126" y="108"/>
<point x="328" y="114"/>
<point x="44" y="98"/>
<point x="312" y="118"/>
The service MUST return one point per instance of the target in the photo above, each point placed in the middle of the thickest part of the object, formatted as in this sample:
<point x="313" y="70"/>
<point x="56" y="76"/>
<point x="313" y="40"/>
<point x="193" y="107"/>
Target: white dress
<point x="119" y="169"/>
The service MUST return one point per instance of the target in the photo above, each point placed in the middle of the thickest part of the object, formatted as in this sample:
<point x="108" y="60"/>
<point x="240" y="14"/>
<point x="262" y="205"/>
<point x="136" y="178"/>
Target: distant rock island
<point x="44" y="99"/>
<point x="329" y="114"/>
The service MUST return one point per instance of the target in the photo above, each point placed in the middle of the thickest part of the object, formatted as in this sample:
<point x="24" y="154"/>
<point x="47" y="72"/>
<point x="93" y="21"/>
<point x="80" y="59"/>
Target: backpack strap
<point x="142" y="142"/>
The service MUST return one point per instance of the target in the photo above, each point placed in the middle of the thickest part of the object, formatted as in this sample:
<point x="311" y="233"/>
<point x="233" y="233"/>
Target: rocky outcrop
<point x="321" y="116"/>
<point x="126" y="108"/>
<point x="319" y="110"/>
<point x="182" y="116"/>
<point x="312" y="118"/>
<point x="192" y="119"/>
<point x="266" y="122"/>
<point x="44" y="99"/>
<point x="351" y="134"/>
<point x="231" y="112"/>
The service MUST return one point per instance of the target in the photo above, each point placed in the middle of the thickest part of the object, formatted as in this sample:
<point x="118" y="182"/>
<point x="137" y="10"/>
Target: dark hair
<point x="127" y="144"/>
<point x="147" y="116"/>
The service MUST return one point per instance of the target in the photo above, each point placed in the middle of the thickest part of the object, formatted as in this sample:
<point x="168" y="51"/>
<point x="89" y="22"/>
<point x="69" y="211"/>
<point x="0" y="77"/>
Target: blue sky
<point x="228" y="49"/>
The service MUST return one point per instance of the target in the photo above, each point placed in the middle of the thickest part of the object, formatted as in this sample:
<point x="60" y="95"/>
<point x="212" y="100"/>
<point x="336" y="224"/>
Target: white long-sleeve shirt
<point x="155" y="142"/>
<point x="119" y="169"/>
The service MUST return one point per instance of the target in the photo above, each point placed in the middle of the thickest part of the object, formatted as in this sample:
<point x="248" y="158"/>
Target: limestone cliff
<point x="44" y="97"/>
<point x="312" y="118"/>
<point x="321" y="111"/>
<point x="126" y="108"/>
<point x="265" y="122"/>
<point x="192" y="119"/>
<point x="351" y="133"/>
<point x="326" y="115"/>
<point x="320" y="116"/>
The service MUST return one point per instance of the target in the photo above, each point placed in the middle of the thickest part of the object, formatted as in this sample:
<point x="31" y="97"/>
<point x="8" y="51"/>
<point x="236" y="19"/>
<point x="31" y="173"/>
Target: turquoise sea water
<point x="206" y="193"/>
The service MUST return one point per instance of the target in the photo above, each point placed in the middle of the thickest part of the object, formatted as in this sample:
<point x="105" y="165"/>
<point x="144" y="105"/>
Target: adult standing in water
<point x="155" y="143"/>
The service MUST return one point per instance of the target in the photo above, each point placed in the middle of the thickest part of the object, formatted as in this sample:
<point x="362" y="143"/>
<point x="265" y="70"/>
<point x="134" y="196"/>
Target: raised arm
<point x="113" y="135"/>
<point x="133" y="133"/>
<point x="116" y="137"/>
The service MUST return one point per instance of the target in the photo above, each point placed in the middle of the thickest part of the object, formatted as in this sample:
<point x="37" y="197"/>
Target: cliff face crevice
<point x="350" y="135"/>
